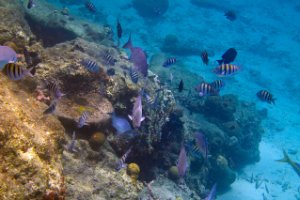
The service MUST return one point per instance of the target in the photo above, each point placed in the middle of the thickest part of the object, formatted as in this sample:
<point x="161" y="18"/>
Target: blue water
<point x="266" y="35"/>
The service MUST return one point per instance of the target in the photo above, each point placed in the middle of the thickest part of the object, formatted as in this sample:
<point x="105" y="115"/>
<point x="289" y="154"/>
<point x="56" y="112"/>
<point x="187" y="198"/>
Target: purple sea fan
<point x="182" y="163"/>
<point x="201" y="144"/>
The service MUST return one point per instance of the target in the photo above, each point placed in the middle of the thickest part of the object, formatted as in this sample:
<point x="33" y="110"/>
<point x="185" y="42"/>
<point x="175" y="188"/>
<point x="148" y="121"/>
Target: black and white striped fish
<point x="169" y="62"/>
<point x="133" y="75"/>
<point x="53" y="89"/>
<point x="16" y="72"/>
<point x="82" y="119"/>
<point x="51" y="108"/>
<point x="90" y="6"/>
<point x="109" y="59"/>
<point x="266" y="96"/>
<point x="121" y="162"/>
<point x="217" y="84"/>
<point x="91" y="66"/>
<point x="205" y="89"/>
<point x="226" y="69"/>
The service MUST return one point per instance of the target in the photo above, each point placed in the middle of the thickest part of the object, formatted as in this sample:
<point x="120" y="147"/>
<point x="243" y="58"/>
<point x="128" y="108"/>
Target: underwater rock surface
<point x="30" y="147"/>
<point x="163" y="188"/>
<point x="91" y="175"/>
<point x="18" y="30"/>
<point x="49" y="19"/>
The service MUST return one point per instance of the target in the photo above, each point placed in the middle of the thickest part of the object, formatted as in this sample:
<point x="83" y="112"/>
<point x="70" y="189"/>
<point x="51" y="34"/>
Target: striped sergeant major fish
<point x="217" y="84"/>
<point x="91" y="66"/>
<point x="121" y="162"/>
<point x="293" y="164"/>
<point x="90" y="6"/>
<point x="266" y="96"/>
<point x="16" y="72"/>
<point x="169" y="62"/>
<point x="205" y="89"/>
<point x="133" y="75"/>
<point x="226" y="69"/>
<point x="53" y="89"/>
<point x="82" y="119"/>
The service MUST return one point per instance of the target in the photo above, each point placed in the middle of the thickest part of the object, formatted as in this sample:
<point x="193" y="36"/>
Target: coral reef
<point x="90" y="174"/>
<point x="133" y="170"/>
<point x="30" y="147"/>
<point x="47" y="19"/>
<point x="173" y="173"/>
<point x="13" y="26"/>
<point x="151" y="9"/>
<point x="97" y="140"/>
<point x="163" y="188"/>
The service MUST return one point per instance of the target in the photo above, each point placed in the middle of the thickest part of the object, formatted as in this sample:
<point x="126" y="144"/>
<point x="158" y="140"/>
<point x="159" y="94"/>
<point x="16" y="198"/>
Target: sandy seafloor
<point x="266" y="35"/>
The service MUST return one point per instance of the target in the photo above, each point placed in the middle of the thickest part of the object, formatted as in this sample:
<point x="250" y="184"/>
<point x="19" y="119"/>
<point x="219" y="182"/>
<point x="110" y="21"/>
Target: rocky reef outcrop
<point x="30" y="147"/>
<point x="151" y="9"/>
<point x="90" y="174"/>
<point x="54" y="25"/>
<point x="36" y="149"/>
<point x="163" y="188"/>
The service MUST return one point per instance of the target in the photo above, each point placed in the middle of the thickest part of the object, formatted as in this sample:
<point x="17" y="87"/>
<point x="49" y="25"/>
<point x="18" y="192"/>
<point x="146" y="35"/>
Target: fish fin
<point x="220" y="62"/>
<point x="128" y="44"/>
<point x="28" y="72"/>
<point x="273" y="100"/>
<point x="142" y="119"/>
<point x="285" y="157"/>
<point x="130" y="117"/>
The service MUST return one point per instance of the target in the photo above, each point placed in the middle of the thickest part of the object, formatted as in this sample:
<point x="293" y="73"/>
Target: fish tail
<point x="28" y="72"/>
<point x="285" y="158"/>
<point x="128" y="44"/>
